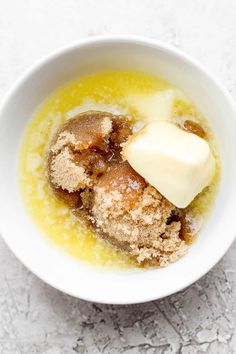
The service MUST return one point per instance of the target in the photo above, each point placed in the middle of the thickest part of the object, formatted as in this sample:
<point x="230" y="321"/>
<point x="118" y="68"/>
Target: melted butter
<point x="52" y="216"/>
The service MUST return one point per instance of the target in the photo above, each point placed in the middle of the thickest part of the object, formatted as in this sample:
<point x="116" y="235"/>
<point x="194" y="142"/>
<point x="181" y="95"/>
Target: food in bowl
<point x="101" y="186"/>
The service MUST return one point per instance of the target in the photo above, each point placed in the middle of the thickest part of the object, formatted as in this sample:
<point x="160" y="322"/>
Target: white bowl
<point x="19" y="231"/>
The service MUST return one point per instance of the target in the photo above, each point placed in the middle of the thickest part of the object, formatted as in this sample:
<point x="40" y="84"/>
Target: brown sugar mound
<point x="78" y="153"/>
<point x="86" y="171"/>
<point x="136" y="216"/>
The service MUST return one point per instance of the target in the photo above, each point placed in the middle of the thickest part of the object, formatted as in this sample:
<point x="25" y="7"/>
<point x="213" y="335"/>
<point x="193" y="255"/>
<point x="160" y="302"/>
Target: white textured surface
<point x="34" y="318"/>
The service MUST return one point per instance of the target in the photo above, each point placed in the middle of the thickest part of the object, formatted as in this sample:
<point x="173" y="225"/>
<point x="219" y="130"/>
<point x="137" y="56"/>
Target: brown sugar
<point x="136" y="214"/>
<point x="87" y="172"/>
<point x="73" y="200"/>
<point x="121" y="178"/>
<point x="82" y="147"/>
<point x="65" y="173"/>
<point x="88" y="130"/>
<point x="195" y="128"/>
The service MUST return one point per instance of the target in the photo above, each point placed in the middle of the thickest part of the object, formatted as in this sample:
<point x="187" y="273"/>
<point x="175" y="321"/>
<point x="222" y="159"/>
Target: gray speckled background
<point x="34" y="318"/>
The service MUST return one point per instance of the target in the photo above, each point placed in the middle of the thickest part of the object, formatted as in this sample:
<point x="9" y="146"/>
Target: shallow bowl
<point x="17" y="228"/>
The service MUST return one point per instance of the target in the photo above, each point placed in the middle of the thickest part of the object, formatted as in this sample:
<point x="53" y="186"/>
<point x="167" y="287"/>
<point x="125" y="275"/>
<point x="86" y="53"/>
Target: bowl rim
<point x="139" y="40"/>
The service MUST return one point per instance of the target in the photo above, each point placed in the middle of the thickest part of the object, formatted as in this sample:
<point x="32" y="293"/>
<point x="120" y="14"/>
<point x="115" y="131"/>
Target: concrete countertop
<point x="35" y="318"/>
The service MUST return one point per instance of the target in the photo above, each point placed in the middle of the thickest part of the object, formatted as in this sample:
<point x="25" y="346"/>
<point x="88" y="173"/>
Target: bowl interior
<point x="16" y="226"/>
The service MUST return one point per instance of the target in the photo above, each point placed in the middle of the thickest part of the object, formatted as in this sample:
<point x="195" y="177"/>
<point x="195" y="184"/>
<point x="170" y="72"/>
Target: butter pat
<point x="154" y="106"/>
<point x="158" y="105"/>
<point x="177" y="163"/>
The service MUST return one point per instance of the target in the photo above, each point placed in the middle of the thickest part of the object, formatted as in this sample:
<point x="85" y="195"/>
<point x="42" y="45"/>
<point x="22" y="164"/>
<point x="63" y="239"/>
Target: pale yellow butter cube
<point x="177" y="163"/>
<point x="154" y="106"/>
